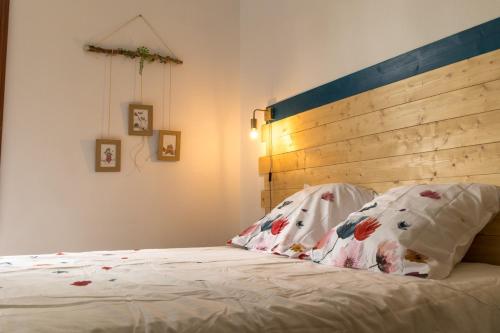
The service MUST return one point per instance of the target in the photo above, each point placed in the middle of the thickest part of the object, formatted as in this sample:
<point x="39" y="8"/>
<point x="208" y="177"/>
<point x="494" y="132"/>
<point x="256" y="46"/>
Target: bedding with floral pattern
<point x="294" y="226"/>
<point x="419" y="230"/>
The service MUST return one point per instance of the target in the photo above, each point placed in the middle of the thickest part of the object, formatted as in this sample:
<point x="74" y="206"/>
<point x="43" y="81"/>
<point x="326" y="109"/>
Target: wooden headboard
<point x="437" y="127"/>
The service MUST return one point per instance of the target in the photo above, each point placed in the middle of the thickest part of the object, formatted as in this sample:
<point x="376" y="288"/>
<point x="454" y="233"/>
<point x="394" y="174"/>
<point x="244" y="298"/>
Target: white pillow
<point x="419" y="230"/>
<point x="297" y="223"/>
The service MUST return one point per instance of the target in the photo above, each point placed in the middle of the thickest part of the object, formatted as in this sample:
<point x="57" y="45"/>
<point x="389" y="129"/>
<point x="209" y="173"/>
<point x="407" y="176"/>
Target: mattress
<point x="223" y="289"/>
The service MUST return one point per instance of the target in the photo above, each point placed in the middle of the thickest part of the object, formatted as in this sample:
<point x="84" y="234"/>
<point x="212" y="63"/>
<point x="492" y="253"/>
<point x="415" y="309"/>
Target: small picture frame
<point x="140" y="119"/>
<point x="107" y="155"/>
<point x="169" y="145"/>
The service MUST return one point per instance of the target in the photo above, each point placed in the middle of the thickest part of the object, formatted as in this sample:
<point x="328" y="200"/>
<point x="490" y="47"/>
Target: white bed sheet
<point x="223" y="289"/>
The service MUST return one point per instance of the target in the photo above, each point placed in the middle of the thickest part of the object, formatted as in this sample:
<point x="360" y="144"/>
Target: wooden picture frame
<point x="140" y="120"/>
<point x="107" y="155"/>
<point x="169" y="145"/>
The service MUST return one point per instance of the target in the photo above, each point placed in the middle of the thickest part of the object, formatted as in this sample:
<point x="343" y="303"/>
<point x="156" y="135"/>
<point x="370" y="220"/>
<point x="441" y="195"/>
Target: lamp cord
<point x="270" y="179"/>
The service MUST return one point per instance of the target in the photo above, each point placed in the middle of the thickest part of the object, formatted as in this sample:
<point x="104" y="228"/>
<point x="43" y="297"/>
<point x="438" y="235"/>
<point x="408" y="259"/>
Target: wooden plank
<point x="452" y="133"/>
<point x="282" y="162"/>
<point x="464" y="161"/>
<point x="486" y="249"/>
<point x="468" y="101"/>
<point x="480" y="69"/>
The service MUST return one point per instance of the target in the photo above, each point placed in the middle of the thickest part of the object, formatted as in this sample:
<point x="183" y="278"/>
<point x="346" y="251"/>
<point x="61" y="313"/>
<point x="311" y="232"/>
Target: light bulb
<point x="254" y="134"/>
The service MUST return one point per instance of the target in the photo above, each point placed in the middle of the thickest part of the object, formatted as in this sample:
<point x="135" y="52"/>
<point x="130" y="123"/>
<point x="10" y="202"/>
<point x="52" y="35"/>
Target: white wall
<point x="290" y="46"/>
<point x="51" y="198"/>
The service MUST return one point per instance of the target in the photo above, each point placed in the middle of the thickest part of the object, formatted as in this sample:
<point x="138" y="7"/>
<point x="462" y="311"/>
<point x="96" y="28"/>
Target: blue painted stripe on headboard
<point x="466" y="44"/>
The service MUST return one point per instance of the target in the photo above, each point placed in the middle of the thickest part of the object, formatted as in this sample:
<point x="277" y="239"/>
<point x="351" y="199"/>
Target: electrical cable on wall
<point x="270" y="176"/>
<point x="254" y="134"/>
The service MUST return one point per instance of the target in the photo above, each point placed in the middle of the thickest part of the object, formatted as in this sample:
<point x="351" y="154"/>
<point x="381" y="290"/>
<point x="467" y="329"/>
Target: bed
<point x="222" y="289"/>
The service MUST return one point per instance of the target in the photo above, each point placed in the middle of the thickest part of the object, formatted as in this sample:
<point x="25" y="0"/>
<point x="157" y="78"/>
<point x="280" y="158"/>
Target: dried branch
<point x="141" y="52"/>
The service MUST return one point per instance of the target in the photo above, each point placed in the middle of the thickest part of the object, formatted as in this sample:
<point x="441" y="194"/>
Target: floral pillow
<point x="297" y="223"/>
<point x="419" y="230"/>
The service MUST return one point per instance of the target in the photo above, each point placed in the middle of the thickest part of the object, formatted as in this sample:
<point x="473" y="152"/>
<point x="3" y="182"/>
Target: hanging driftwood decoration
<point x="141" y="52"/>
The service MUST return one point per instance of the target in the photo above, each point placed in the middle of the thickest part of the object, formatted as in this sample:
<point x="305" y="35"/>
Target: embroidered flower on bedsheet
<point x="303" y="256"/>
<point x="350" y="256"/>
<point x="387" y="258"/>
<point x="414" y="256"/>
<point x="328" y="196"/>
<point x="430" y="194"/>
<point x="249" y="230"/>
<point x="284" y="204"/>
<point x="296" y="247"/>
<point x="364" y="229"/>
<point x="403" y="225"/>
<point x="324" y="240"/>
<point x="346" y="229"/>
<point x="81" y="283"/>
<point x="279" y="225"/>
<point x="269" y="223"/>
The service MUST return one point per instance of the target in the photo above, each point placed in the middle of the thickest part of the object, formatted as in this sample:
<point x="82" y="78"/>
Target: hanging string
<point x="109" y="93"/>
<point x="153" y="30"/>
<point x="104" y="86"/>
<point x="163" y="98"/>
<point x="118" y="29"/>
<point x="136" y="151"/>
<point x="169" y="95"/>
<point x="150" y="26"/>
<point x="107" y="106"/>
<point x="141" y="88"/>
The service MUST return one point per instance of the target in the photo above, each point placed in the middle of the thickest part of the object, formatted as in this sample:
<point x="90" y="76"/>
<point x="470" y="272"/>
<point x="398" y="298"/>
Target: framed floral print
<point x="107" y="155"/>
<point x="169" y="145"/>
<point x="140" y="119"/>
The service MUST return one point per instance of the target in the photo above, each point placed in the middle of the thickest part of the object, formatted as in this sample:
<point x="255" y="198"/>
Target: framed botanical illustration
<point x="169" y="145"/>
<point x="140" y="119"/>
<point x="107" y="155"/>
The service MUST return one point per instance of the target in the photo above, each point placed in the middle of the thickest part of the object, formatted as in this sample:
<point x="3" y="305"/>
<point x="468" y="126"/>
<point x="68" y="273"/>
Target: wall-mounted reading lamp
<point x="268" y="117"/>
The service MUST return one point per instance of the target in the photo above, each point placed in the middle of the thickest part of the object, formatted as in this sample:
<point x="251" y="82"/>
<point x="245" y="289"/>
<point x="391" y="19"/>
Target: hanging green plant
<point x="145" y="56"/>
